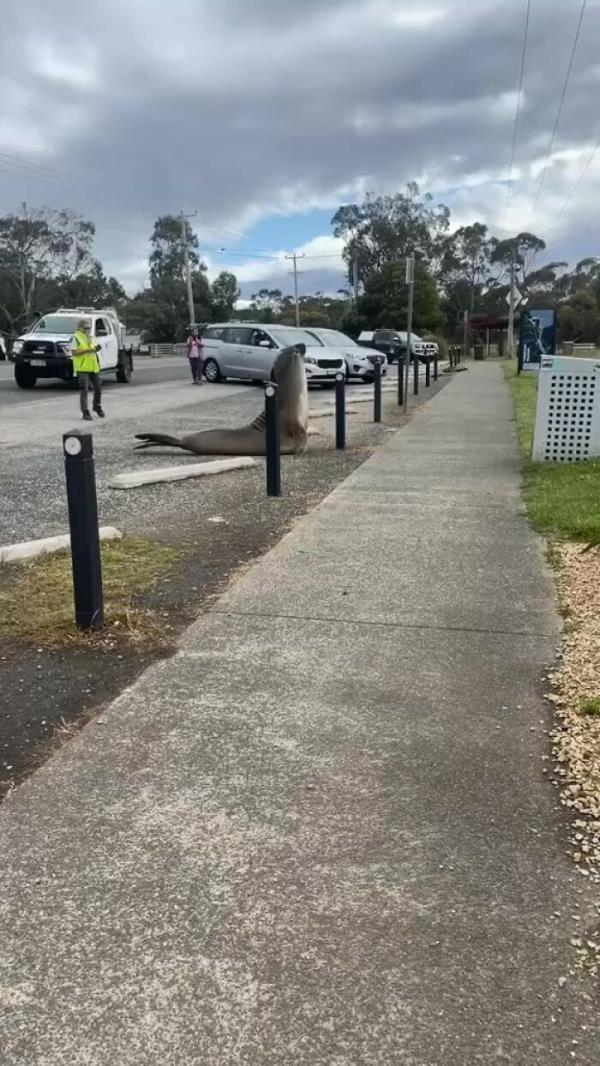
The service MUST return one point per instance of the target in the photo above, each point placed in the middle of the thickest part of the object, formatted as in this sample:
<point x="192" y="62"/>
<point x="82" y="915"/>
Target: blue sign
<point x="537" y="338"/>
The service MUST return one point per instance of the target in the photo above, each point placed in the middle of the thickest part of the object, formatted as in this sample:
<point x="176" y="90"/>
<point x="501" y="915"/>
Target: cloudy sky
<point x="264" y="115"/>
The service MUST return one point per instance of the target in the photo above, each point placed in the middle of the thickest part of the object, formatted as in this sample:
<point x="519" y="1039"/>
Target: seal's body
<point x="292" y="389"/>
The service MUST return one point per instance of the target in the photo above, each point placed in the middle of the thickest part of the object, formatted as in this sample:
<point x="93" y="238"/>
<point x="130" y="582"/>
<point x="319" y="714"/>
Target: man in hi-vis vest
<point x="87" y="368"/>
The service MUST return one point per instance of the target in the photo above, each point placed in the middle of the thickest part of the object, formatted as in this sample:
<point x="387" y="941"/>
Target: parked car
<point x="394" y="343"/>
<point x="248" y="350"/>
<point x="360" y="361"/>
<point x="44" y="352"/>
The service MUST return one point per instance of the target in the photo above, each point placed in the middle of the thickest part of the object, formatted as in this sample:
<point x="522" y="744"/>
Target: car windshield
<point x="332" y="338"/>
<point x="56" y="324"/>
<point x="287" y="337"/>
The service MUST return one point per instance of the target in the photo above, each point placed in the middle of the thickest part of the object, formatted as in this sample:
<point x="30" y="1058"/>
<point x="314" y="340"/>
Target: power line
<point x="582" y="174"/>
<point x="236" y="233"/>
<point x="35" y="167"/>
<point x="559" y="111"/>
<point x="517" y="109"/>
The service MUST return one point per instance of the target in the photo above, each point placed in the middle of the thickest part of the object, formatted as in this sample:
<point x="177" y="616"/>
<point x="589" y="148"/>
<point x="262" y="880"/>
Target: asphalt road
<point x="146" y="372"/>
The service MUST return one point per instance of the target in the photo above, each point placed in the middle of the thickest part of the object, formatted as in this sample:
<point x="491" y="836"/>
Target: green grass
<point x="591" y="707"/>
<point x="563" y="499"/>
<point x="36" y="598"/>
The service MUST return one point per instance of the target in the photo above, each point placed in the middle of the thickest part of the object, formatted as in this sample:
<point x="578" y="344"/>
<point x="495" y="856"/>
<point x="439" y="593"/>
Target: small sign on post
<point x="83" y="525"/>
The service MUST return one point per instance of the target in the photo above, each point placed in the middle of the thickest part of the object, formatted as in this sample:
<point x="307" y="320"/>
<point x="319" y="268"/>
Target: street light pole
<point x="511" y="308"/>
<point x="188" y="269"/>
<point x="410" y="281"/>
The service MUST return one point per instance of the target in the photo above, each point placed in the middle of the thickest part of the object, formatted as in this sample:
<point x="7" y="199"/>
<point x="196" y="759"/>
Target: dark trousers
<point x="86" y="379"/>
<point x="196" y="368"/>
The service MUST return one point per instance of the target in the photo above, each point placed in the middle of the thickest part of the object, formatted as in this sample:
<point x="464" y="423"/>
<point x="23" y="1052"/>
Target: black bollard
<point x="401" y="372"/>
<point x="377" y="391"/>
<point x="415" y="376"/>
<point x="83" y="525"/>
<point x="272" y="442"/>
<point x="340" y="411"/>
<point x="435" y="367"/>
<point x="428" y="372"/>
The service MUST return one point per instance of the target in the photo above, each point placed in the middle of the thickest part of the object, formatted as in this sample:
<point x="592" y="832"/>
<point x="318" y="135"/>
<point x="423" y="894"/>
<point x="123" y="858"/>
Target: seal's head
<point x="288" y="369"/>
<point x="290" y="374"/>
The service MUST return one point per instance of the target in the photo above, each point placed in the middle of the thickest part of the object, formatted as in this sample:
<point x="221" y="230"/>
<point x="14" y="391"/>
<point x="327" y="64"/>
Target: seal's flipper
<point x="153" y="440"/>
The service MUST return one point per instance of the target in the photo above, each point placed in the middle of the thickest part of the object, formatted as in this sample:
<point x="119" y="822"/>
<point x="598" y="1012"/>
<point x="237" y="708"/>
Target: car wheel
<point x="367" y="379"/>
<point x="212" y="372"/>
<point x="328" y="385"/>
<point x="25" y="377"/>
<point x="124" y="371"/>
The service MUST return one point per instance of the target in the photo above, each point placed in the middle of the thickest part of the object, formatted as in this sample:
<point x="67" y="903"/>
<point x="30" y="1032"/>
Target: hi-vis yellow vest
<point x="84" y="364"/>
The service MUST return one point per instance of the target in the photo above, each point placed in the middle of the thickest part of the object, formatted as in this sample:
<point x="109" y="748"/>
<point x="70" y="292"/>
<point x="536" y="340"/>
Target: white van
<point x="44" y="352"/>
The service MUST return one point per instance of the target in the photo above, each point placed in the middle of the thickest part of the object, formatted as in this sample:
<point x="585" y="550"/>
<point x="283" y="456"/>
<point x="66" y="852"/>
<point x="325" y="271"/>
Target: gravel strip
<point x="576" y="738"/>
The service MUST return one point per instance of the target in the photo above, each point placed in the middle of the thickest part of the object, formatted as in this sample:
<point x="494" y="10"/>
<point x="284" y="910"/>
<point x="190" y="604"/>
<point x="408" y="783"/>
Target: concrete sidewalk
<point x="321" y="834"/>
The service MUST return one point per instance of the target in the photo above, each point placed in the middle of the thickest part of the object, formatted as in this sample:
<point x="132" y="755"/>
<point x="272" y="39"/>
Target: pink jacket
<point x="191" y="340"/>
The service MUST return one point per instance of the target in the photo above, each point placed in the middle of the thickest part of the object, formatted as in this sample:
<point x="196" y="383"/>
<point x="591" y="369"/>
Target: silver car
<point x="248" y="350"/>
<point x="359" y="361"/>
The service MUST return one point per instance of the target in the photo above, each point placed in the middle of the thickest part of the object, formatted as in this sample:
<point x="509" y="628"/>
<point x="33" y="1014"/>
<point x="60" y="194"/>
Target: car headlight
<point x="17" y="347"/>
<point x="310" y="359"/>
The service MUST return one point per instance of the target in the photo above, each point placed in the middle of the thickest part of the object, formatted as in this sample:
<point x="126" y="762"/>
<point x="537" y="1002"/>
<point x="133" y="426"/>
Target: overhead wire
<point x="509" y="190"/>
<point x="559" y="111"/>
<point x="569" y="199"/>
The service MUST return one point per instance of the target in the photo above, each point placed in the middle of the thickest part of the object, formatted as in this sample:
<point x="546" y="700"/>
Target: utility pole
<point x="294" y="257"/>
<point x="188" y="269"/>
<point x="410" y="281"/>
<point x="511" y="308"/>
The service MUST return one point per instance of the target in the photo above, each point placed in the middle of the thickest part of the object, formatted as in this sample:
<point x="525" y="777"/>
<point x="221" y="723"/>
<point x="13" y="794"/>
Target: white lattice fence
<point x="567" y="424"/>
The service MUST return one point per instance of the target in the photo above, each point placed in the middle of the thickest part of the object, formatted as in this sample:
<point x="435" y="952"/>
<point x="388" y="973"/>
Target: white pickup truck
<point x="44" y="352"/>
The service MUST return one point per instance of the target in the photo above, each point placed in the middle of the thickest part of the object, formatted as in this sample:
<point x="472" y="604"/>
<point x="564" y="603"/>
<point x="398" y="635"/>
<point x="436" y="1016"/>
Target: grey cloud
<point x="240" y="108"/>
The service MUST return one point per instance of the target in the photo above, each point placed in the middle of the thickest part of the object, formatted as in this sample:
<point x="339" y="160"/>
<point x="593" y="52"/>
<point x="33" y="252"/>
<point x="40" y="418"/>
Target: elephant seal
<point x="290" y="377"/>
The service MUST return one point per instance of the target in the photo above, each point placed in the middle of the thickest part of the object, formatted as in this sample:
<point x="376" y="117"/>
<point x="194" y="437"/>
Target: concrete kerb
<point x="137" y="478"/>
<point x="30" y="549"/>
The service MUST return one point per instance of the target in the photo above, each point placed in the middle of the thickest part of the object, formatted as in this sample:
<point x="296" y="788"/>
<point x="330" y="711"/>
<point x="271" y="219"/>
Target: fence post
<point x="377" y="392"/>
<point x="83" y="525"/>
<point x="435" y="367"/>
<point x="415" y="375"/>
<point x="428" y="373"/>
<point x="340" y="411"/>
<point x="272" y="442"/>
